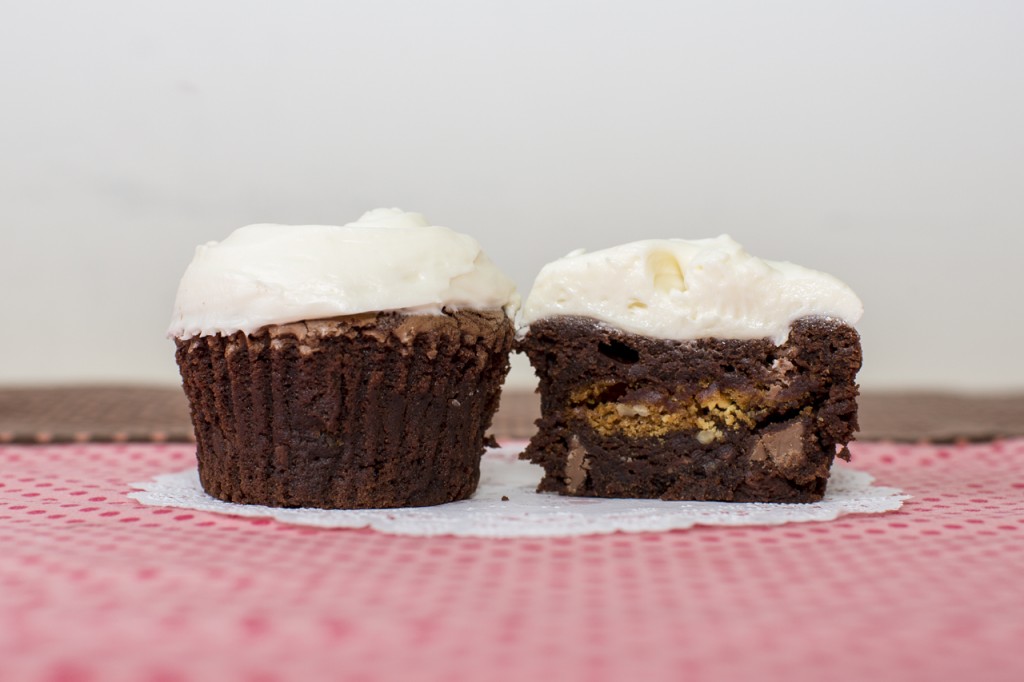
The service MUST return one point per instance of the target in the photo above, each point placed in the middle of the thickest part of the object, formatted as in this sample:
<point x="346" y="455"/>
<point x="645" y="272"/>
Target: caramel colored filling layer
<point x="710" y="413"/>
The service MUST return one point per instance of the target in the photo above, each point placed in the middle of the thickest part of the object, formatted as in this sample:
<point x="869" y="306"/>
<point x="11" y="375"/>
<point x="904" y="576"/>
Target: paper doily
<point x="527" y="513"/>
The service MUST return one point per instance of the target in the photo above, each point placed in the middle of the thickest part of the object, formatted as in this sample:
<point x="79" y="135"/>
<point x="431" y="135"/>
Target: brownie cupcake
<point x="690" y="370"/>
<point x="354" y="366"/>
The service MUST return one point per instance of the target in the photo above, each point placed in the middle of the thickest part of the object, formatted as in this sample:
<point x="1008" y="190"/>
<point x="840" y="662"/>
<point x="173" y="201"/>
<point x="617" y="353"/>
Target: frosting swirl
<point x="386" y="260"/>
<point x="679" y="289"/>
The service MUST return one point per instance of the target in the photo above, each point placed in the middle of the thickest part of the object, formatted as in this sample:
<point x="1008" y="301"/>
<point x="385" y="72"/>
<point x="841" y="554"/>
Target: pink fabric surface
<point x="96" y="587"/>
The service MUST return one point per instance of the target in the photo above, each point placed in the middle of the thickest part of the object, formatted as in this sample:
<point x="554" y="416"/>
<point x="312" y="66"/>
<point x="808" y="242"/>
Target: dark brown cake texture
<point x="363" y="411"/>
<point x="624" y="415"/>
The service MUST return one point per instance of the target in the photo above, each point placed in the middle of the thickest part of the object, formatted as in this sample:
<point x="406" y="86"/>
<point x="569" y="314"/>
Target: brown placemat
<point x="132" y="413"/>
<point x="93" y="414"/>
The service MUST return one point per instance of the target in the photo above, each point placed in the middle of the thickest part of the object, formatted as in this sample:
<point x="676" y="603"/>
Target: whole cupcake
<point x="353" y="366"/>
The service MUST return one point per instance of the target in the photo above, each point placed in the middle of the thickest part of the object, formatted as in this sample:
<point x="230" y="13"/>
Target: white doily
<point x="527" y="513"/>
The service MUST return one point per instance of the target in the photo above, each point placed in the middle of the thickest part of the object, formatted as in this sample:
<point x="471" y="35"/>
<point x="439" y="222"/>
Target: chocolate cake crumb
<point x="623" y="415"/>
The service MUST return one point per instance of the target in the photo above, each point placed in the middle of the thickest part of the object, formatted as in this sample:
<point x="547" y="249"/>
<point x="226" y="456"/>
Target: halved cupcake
<point x="690" y="370"/>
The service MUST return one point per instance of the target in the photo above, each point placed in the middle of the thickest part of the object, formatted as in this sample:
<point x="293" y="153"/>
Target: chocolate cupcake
<point x="690" y="370"/>
<point x="343" y="367"/>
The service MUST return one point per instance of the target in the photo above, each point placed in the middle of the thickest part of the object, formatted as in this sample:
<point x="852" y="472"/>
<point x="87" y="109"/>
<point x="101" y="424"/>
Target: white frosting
<point x="679" y="289"/>
<point x="386" y="260"/>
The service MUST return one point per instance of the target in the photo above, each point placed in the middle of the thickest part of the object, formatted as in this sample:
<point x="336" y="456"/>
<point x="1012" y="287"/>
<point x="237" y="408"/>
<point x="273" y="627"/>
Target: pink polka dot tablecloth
<point x="95" y="587"/>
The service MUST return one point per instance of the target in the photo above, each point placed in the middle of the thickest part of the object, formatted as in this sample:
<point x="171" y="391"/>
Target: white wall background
<point x="880" y="141"/>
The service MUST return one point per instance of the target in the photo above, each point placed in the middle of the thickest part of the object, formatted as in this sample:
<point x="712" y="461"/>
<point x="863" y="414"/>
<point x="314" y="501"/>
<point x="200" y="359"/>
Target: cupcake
<point x="354" y="366"/>
<point x="690" y="370"/>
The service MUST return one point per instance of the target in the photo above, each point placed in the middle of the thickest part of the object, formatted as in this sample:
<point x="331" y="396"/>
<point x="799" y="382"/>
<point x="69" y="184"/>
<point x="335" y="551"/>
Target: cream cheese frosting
<point x="679" y="289"/>
<point x="386" y="260"/>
